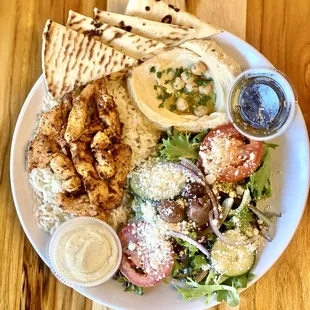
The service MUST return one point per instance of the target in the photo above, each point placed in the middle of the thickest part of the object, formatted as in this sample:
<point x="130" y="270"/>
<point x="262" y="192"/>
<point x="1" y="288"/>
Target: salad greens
<point x="129" y="287"/>
<point x="242" y="215"/>
<point x="195" y="290"/>
<point x="259" y="183"/>
<point x="181" y="145"/>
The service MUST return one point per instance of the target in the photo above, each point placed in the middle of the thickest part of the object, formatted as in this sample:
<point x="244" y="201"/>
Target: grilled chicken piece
<point x="40" y="151"/>
<point x="72" y="185"/>
<point x="51" y="122"/>
<point x="82" y="158"/>
<point x="105" y="164"/>
<point x="122" y="159"/>
<point x="63" y="167"/>
<point x="101" y="141"/>
<point x="78" y="115"/>
<point x="108" y="113"/>
<point x="78" y="205"/>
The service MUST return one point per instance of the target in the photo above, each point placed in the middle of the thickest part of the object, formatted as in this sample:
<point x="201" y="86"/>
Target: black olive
<point x="198" y="210"/>
<point x="193" y="190"/>
<point x="171" y="211"/>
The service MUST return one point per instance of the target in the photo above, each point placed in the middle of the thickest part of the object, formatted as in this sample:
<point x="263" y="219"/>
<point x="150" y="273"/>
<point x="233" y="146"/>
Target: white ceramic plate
<point x="290" y="185"/>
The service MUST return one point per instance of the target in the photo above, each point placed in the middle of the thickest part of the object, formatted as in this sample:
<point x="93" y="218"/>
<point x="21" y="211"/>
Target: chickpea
<point x="199" y="68"/>
<point x="169" y="88"/>
<point x="182" y="105"/>
<point x="178" y="84"/>
<point x="201" y="111"/>
<point x="190" y="87"/>
<point x="187" y="77"/>
<point x="205" y="90"/>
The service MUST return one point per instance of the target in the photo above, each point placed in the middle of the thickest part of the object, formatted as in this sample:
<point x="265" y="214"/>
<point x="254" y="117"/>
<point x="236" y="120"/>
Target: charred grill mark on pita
<point x="147" y="8"/>
<point x="85" y="69"/>
<point x="91" y="50"/>
<point x="131" y="35"/>
<point x="177" y="9"/>
<point x="77" y="56"/>
<point x="97" y="24"/>
<point x="101" y="59"/>
<point x="128" y="28"/>
<point x="93" y="33"/>
<point x="171" y="6"/>
<point x="137" y="40"/>
<point x="121" y="24"/>
<point x="139" y="46"/>
<point x="115" y="62"/>
<point x="123" y="59"/>
<point x="167" y="19"/>
<point x="77" y="22"/>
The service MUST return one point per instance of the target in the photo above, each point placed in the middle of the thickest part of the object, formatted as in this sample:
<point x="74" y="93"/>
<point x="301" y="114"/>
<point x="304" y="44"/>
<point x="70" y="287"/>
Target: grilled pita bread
<point x="71" y="59"/>
<point x="125" y="42"/>
<point x="167" y="13"/>
<point x="165" y="33"/>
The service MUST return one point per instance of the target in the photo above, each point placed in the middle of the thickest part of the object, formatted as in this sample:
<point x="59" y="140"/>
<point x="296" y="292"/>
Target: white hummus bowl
<point x="290" y="182"/>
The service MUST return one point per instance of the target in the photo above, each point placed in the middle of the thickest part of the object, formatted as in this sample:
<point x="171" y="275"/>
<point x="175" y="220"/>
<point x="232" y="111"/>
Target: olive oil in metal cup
<point x="262" y="103"/>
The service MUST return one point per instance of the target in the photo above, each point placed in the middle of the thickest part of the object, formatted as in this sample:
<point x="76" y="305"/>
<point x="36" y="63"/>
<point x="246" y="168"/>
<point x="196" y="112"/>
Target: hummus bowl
<point x="290" y="176"/>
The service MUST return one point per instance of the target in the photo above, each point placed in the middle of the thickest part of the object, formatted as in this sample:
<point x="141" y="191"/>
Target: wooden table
<point x="279" y="29"/>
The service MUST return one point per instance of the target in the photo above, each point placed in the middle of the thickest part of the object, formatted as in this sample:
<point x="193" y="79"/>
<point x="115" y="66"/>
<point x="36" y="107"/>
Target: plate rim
<point x="86" y="293"/>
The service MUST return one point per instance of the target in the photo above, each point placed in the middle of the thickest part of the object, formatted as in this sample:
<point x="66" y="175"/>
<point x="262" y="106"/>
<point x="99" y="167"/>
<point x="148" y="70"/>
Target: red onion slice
<point x="217" y="232"/>
<point x="188" y="239"/>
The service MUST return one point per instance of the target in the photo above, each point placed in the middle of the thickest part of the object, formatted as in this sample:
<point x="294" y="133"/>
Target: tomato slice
<point x="141" y="257"/>
<point x="228" y="155"/>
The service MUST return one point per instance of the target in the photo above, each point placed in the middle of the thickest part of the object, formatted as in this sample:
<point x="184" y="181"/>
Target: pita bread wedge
<point x="71" y="59"/>
<point x="165" y="33"/>
<point x="167" y="13"/>
<point x="125" y="42"/>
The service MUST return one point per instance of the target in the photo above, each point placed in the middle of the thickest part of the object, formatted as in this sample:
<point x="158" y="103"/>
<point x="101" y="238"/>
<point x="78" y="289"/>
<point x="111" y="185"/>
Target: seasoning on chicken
<point x="122" y="159"/>
<point x="105" y="164"/>
<point x="82" y="158"/>
<point x="63" y="167"/>
<point x="51" y="122"/>
<point x="108" y="113"/>
<point x="78" y="115"/>
<point x="79" y="206"/>
<point x="40" y="151"/>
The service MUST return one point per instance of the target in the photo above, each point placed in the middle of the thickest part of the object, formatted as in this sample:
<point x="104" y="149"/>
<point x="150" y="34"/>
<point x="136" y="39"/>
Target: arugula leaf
<point x="130" y="287"/>
<point x="178" y="145"/>
<point x="259" y="183"/>
<point x="195" y="290"/>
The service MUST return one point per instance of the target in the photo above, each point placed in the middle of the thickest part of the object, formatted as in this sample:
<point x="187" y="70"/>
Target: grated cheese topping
<point x="223" y="152"/>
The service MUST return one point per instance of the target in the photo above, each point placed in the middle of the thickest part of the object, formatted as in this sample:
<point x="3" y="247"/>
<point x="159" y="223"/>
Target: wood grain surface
<point x="280" y="29"/>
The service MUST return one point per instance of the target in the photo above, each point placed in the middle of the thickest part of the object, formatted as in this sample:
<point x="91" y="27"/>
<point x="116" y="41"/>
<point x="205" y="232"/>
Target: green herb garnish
<point x="152" y="69"/>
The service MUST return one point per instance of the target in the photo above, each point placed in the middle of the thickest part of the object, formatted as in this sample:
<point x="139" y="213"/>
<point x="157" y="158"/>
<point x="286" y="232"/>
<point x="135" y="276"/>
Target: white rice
<point x="45" y="185"/>
<point x="138" y="132"/>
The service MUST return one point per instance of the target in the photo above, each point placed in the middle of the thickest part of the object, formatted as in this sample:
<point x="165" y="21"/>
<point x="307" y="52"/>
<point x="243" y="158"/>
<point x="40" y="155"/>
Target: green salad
<point x="196" y="221"/>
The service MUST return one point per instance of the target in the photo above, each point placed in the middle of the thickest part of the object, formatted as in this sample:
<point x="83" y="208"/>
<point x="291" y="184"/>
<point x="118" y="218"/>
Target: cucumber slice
<point x="231" y="260"/>
<point x="158" y="180"/>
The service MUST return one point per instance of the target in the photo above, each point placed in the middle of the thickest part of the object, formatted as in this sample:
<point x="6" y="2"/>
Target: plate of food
<point x="156" y="161"/>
